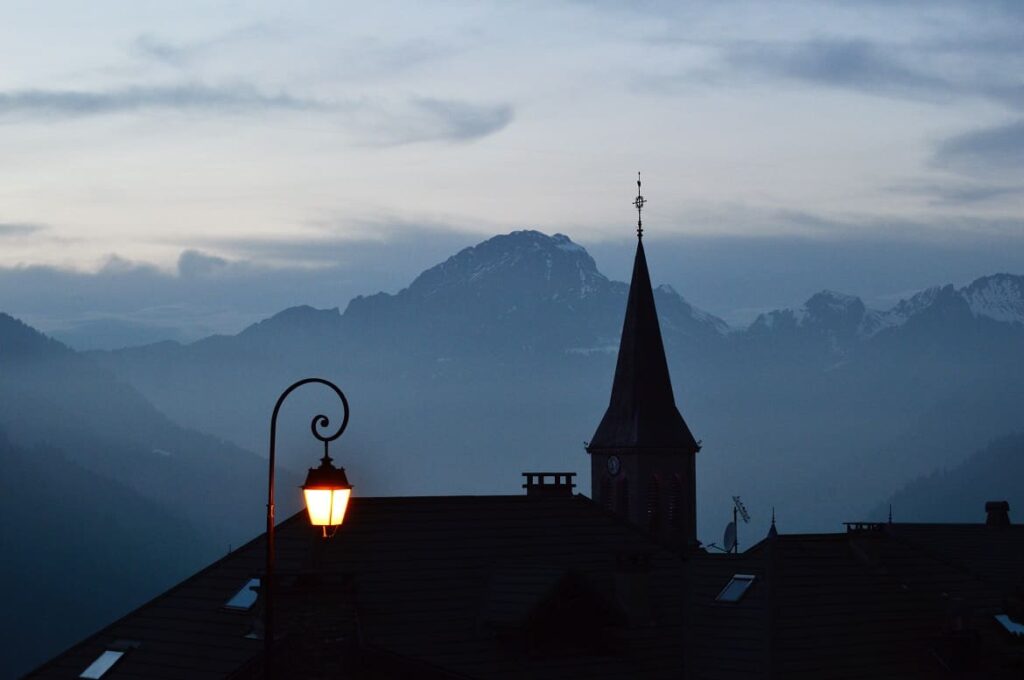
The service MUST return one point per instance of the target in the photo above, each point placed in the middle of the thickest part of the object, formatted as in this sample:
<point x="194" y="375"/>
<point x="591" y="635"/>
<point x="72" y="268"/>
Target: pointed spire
<point x="772" y="531"/>
<point x="642" y="411"/>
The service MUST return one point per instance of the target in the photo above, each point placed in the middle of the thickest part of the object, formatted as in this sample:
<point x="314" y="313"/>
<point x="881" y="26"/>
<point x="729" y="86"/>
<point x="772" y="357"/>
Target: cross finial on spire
<point x="639" y="203"/>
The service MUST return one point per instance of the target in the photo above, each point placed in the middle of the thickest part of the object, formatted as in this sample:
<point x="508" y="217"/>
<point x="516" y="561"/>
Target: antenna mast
<point x="738" y="507"/>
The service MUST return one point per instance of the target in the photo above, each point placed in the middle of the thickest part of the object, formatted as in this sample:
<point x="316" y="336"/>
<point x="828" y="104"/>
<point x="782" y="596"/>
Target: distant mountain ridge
<point x="500" y="358"/>
<point x="52" y="396"/>
<point x="845" y="318"/>
<point x="487" y="293"/>
<point x="538" y="265"/>
<point x="527" y="277"/>
<point x="959" y="493"/>
<point x="105" y="501"/>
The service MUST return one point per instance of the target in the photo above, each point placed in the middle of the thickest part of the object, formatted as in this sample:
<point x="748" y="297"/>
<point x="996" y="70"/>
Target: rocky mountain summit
<point x="844" y="320"/>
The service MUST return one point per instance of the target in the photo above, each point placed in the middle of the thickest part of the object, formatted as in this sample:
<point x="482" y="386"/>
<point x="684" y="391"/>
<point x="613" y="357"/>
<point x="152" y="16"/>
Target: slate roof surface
<point x="517" y="586"/>
<point x="860" y="604"/>
<point x="424" y="573"/>
<point x="642" y="411"/>
<point x="992" y="553"/>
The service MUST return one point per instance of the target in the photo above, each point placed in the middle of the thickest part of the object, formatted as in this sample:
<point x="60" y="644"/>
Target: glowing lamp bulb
<point x="327" y="492"/>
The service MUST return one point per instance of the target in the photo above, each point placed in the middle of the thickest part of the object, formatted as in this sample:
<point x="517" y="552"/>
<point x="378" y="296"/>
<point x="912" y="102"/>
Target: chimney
<point x="549" y="483"/>
<point x="998" y="513"/>
<point x="633" y="587"/>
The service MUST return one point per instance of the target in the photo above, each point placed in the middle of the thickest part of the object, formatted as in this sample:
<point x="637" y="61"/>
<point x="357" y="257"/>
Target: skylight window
<point x="245" y="598"/>
<point x="1011" y="626"/>
<point x="735" y="588"/>
<point x="103" y="663"/>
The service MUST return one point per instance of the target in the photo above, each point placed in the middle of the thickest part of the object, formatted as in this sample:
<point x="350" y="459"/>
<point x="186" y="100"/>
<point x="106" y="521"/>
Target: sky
<point x="202" y="165"/>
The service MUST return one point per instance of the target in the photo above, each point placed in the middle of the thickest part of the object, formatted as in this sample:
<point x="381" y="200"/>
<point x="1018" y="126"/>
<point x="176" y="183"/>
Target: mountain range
<point x="499" y="360"/>
<point x="105" y="502"/>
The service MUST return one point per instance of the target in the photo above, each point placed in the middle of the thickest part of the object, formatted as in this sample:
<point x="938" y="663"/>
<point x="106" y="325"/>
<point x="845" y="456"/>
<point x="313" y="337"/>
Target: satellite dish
<point x="730" y="536"/>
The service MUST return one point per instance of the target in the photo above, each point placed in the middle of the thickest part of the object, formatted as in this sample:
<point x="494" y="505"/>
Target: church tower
<point x="643" y="456"/>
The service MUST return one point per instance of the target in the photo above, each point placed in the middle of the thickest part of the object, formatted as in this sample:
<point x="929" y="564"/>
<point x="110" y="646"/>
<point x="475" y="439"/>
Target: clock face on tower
<point x="614" y="465"/>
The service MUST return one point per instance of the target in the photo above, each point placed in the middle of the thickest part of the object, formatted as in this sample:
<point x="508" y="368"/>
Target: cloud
<point x="955" y="193"/>
<point x="934" y="71"/>
<point x="155" y="48"/>
<point x="948" y="227"/>
<point x="996" y="150"/>
<point x="209" y="294"/>
<point x="870" y="255"/>
<point x="844" y="63"/>
<point x="427" y="119"/>
<point x="375" y="242"/>
<point x="19" y="228"/>
<point x="374" y="122"/>
<point x="193" y="263"/>
<point x="150" y="46"/>
<point x="115" y="265"/>
<point x="191" y="97"/>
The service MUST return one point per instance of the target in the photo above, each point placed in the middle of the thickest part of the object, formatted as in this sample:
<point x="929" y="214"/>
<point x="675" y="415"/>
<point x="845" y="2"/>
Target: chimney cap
<point x="549" y="483"/>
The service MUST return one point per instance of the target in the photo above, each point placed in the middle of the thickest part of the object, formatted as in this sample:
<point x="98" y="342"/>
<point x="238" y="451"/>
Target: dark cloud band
<point x="997" y="150"/>
<point x="19" y="228"/>
<point x="376" y="123"/>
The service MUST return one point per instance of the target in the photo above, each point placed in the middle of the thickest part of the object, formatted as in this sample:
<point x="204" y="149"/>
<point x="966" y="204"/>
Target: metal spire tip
<point x="639" y="203"/>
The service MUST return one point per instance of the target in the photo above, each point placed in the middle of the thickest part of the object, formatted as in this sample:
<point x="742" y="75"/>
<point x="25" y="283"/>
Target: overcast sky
<point x="368" y="140"/>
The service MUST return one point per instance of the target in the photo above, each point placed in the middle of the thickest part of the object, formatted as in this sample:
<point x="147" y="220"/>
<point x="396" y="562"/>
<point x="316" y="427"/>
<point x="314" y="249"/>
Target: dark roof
<point x="642" y="412"/>
<point x="860" y="604"/>
<point x="450" y="585"/>
<point x="994" y="554"/>
<point x="520" y="586"/>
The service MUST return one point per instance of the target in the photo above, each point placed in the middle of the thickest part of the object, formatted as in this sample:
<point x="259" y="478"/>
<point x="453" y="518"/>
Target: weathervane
<point x="639" y="203"/>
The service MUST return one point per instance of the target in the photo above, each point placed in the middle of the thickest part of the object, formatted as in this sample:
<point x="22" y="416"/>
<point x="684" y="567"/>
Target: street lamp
<point x="326" y="493"/>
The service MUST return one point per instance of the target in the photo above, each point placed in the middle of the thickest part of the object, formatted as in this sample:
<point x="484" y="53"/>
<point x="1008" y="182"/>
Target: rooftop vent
<point x="549" y="483"/>
<point x="997" y="513"/>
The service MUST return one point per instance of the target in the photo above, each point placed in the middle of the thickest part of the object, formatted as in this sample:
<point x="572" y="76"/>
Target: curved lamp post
<point x="326" y="492"/>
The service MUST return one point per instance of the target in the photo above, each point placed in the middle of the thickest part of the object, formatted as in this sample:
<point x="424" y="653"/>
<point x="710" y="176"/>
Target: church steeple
<point x="643" y="451"/>
<point x="642" y="412"/>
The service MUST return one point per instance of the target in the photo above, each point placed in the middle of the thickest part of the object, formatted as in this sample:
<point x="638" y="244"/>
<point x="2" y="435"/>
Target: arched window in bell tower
<point x="675" y="498"/>
<point x="606" y="493"/>
<point x="653" y="503"/>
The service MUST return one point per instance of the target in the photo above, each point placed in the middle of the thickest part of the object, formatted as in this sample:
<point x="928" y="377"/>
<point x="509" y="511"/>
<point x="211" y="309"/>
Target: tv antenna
<point x="739" y="511"/>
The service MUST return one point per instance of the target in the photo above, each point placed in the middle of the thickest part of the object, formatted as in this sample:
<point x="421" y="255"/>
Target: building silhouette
<point x="553" y="584"/>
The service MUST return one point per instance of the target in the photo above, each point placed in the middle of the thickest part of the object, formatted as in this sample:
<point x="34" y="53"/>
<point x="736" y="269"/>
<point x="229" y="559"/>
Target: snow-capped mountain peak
<point x="528" y="260"/>
<point x="999" y="297"/>
<point x="826" y="311"/>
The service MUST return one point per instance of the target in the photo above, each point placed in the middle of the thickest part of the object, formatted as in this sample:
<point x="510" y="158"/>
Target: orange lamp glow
<point x="327" y="492"/>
